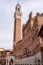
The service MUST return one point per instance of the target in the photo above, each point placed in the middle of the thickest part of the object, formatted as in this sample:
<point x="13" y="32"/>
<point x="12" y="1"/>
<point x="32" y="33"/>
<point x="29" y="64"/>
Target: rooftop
<point x="2" y="49"/>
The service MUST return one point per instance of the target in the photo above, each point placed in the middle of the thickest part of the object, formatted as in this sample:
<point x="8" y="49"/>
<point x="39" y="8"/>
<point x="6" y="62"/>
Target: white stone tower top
<point x="18" y="11"/>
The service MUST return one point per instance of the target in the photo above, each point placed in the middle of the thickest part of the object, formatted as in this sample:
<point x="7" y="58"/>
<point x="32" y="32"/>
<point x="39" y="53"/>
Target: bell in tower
<point x="17" y="24"/>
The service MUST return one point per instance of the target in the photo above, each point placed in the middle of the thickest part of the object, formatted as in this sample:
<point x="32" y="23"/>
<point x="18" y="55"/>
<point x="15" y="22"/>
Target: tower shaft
<point x="17" y="24"/>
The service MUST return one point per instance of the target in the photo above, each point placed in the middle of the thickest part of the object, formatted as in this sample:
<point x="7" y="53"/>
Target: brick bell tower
<point x="17" y="24"/>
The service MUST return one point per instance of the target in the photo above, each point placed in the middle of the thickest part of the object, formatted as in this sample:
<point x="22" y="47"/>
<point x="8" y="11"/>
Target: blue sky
<point x="7" y="9"/>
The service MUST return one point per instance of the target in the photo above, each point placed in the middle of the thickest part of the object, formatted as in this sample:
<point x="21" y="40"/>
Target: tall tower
<point x="17" y="24"/>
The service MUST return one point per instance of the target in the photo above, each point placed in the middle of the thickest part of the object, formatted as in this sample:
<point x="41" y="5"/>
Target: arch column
<point x="10" y="59"/>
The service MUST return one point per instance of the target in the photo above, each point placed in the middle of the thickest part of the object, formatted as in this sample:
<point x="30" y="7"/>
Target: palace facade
<point x="29" y="49"/>
<point x="31" y="44"/>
